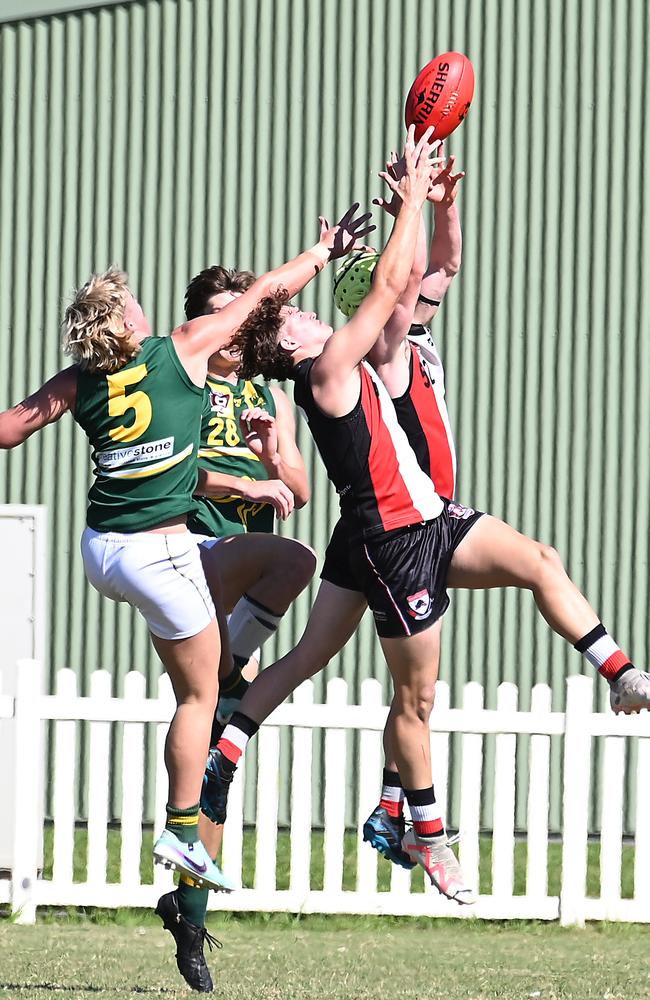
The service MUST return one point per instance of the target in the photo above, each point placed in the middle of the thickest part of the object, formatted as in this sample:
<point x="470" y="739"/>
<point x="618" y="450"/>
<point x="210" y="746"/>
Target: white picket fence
<point x="578" y="726"/>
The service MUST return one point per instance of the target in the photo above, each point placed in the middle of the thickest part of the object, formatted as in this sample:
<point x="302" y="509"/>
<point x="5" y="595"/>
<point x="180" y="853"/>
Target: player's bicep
<point x="349" y="346"/>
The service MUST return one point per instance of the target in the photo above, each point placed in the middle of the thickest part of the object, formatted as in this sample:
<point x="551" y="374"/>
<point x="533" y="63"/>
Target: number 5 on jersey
<point x="119" y="403"/>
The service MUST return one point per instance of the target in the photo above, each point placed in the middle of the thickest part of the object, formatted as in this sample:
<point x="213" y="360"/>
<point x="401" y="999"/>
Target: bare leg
<point x="413" y="664"/>
<point x="270" y="569"/>
<point x="389" y="734"/>
<point x="251" y="670"/>
<point x="493" y="554"/>
<point x="333" y="619"/>
<point x="211" y="834"/>
<point x="192" y="665"/>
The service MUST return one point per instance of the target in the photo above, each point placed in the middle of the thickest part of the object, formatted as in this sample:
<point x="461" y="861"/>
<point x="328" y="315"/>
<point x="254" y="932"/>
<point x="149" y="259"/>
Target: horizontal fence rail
<point x="303" y="870"/>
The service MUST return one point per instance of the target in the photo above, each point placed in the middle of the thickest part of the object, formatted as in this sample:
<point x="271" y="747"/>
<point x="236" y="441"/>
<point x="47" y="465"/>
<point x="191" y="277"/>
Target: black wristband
<point x="429" y="302"/>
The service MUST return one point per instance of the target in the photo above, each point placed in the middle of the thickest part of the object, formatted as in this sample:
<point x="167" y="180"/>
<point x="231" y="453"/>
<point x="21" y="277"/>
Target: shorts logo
<point x="220" y="402"/>
<point x="462" y="513"/>
<point x="380" y="616"/>
<point x="420" y="605"/>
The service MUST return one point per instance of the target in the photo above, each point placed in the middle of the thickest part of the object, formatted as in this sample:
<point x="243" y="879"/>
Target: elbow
<point x="453" y="267"/>
<point x="302" y="497"/>
<point x="10" y="438"/>
<point x="391" y="286"/>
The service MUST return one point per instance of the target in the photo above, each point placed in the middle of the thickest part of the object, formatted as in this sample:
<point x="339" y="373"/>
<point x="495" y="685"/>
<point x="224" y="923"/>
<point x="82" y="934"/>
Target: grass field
<point x="378" y="959"/>
<point x="127" y="954"/>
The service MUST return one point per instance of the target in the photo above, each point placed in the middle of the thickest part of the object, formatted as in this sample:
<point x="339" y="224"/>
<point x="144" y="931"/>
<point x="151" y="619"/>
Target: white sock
<point x="249" y="626"/>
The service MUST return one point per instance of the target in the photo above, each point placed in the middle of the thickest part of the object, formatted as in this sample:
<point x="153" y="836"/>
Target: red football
<point x="441" y="95"/>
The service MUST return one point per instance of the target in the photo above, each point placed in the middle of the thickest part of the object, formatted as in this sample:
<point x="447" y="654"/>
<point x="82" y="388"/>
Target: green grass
<point x="356" y="960"/>
<point x="349" y="870"/>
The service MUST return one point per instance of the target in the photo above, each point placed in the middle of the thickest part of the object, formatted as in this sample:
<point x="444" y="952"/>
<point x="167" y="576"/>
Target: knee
<point x="416" y="704"/>
<point x="200" y="694"/>
<point x="297" y="569"/>
<point x="549" y="561"/>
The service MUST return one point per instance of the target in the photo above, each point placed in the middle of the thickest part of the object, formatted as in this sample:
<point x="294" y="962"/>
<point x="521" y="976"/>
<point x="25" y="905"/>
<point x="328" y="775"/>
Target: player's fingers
<point x="276" y="503"/>
<point x="424" y="142"/>
<point x="343" y="221"/>
<point x="285" y="500"/>
<point x="392" y="184"/>
<point x="361" y="220"/>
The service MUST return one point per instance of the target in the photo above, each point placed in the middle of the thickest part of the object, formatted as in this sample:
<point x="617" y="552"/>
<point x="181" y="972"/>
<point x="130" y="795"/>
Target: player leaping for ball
<point x="421" y="411"/>
<point x="403" y="575"/>
<point x="385" y="500"/>
<point x="492" y="554"/>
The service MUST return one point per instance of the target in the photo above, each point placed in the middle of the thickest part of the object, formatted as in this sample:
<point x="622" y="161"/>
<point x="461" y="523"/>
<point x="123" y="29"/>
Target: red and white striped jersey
<point x="422" y="413"/>
<point x="368" y="458"/>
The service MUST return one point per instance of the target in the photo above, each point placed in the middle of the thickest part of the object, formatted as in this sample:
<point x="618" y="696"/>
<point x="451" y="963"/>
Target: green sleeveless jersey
<point x="143" y="423"/>
<point x="224" y="450"/>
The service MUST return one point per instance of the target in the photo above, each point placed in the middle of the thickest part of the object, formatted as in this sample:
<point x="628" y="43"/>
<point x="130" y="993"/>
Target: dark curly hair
<point x="257" y="340"/>
<point x="211" y="281"/>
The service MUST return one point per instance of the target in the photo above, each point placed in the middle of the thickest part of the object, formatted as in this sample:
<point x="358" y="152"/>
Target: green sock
<point x="192" y="900"/>
<point x="184" y="823"/>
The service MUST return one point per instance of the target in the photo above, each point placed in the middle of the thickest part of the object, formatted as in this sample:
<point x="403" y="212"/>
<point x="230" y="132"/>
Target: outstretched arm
<point x="201" y="337"/>
<point x="446" y="243"/>
<point x="45" y="406"/>
<point x="347" y="347"/>
<point x="393" y="336"/>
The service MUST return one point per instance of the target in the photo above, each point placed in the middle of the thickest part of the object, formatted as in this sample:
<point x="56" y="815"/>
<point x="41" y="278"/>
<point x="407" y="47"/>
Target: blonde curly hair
<point x="93" y="324"/>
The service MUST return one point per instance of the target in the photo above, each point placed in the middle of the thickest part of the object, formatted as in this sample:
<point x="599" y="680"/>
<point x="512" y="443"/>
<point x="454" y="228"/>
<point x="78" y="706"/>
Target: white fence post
<point x="132" y="785"/>
<point x="370" y="764"/>
<point x="503" y="823"/>
<point x="27" y="758"/>
<point x="539" y="775"/>
<point x="162" y="877"/>
<point x="470" y="793"/>
<point x="100" y="733"/>
<point x="63" y="808"/>
<point x="334" y="799"/>
<point x="575" y="799"/>
<point x="642" y="825"/>
<point x="268" y="793"/>
<point x="611" y="822"/>
<point x="301" y="797"/>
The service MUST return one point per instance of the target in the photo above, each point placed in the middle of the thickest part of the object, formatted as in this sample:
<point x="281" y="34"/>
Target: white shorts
<point x="206" y="541"/>
<point x="159" y="574"/>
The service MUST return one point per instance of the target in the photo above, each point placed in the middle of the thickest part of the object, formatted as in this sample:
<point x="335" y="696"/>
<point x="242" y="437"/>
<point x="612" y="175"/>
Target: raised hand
<point x="396" y="167"/>
<point x="444" y="185"/>
<point x="347" y="234"/>
<point x="413" y="186"/>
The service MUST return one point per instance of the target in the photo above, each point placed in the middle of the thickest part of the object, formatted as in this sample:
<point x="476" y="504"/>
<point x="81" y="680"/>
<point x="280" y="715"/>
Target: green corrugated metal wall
<point x="169" y="134"/>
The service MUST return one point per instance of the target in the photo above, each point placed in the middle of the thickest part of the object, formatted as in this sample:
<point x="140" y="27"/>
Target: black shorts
<point x="402" y="573"/>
